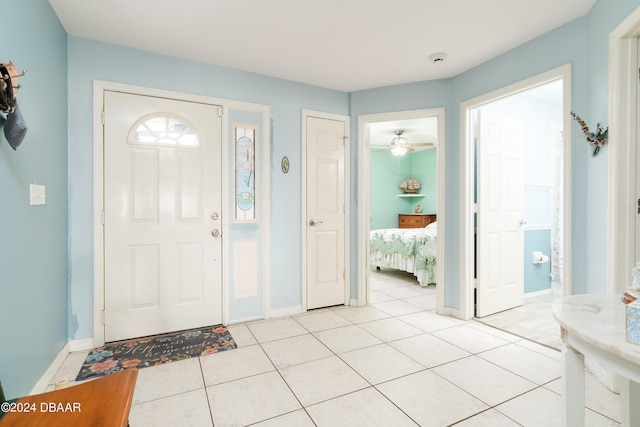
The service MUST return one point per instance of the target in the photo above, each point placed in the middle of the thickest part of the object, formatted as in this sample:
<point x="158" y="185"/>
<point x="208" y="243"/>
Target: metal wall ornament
<point x="15" y="128"/>
<point x="595" y="139"/>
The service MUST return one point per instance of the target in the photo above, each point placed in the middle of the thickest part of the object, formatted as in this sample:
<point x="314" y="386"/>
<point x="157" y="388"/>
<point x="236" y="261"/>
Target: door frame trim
<point x="364" y="197"/>
<point x="347" y="197"/>
<point x="623" y="109"/>
<point x="467" y="171"/>
<point x="99" y="87"/>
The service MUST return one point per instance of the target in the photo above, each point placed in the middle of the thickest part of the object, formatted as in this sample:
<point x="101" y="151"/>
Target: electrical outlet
<point x="37" y="194"/>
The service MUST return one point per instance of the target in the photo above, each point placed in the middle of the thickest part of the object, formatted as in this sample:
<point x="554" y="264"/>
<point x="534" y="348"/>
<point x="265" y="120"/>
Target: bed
<point x="410" y="249"/>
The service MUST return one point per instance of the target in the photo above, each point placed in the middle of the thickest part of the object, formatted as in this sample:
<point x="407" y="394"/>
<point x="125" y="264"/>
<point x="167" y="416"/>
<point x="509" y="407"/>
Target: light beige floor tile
<point x="486" y="381"/>
<point x="251" y="400"/>
<point x="390" y="329"/>
<point x="323" y="379"/>
<point x="403" y="292"/>
<point x="242" y="335"/>
<point x="539" y="407"/>
<point x="430" y="322"/>
<point x="189" y="409"/>
<point x="169" y="379"/>
<point x="597" y="396"/>
<point x="378" y="296"/>
<point x="364" y="408"/>
<point x="276" y="329"/>
<point x="297" y="418"/>
<point x="425" y="302"/>
<point x="495" y="331"/>
<point x="527" y="363"/>
<point x="490" y="418"/>
<point x="347" y="338"/>
<point x="234" y="364"/>
<point x="430" y="400"/>
<point x="397" y="307"/>
<point x="542" y="407"/>
<point x="361" y="314"/>
<point x="381" y="363"/>
<point x="295" y="350"/>
<point x="538" y="348"/>
<point x="470" y="339"/>
<point x="321" y="320"/>
<point x="428" y="350"/>
<point x="71" y="366"/>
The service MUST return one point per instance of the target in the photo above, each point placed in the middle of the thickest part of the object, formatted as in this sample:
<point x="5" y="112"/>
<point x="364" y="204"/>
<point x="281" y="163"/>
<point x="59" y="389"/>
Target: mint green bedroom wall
<point x="33" y="239"/>
<point x="423" y="168"/>
<point x="387" y="173"/>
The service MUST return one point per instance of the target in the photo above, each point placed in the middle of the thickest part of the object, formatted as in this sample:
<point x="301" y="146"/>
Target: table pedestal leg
<point x="573" y="387"/>
<point x="629" y="392"/>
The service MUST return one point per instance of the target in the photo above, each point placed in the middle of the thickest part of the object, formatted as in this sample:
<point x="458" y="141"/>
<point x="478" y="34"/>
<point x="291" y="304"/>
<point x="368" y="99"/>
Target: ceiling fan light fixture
<point x="399" y="150"/>
<point x="399" y="140"/>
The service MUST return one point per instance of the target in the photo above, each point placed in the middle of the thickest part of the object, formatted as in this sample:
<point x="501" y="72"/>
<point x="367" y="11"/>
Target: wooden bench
<point x="105" y="401"/>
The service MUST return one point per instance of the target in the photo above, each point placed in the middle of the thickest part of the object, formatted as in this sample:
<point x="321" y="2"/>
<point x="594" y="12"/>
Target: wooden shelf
<point x="412" y="195"/>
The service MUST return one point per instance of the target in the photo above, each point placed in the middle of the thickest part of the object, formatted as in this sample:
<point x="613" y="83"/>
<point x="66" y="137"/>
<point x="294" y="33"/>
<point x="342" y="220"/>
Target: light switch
<point x="37" y="194"/>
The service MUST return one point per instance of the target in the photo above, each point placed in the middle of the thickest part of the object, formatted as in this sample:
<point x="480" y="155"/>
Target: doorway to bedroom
<point x="403" y="151"/>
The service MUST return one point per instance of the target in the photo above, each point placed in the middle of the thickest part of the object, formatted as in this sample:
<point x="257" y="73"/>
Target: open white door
<point x="500" y="235"/>
<point x="162" y="183"/>
<point x="326" y="217"/>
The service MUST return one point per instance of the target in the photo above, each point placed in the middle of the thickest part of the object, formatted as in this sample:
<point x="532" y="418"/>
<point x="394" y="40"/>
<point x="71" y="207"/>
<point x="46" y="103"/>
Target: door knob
<point x="215" y="233"/>
<point x="522" y="222"/>
<point x="314" y="222"/>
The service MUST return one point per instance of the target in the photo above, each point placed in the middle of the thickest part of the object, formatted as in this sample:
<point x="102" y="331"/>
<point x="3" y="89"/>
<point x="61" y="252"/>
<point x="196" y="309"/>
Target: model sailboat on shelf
<point x="410" y="185"/>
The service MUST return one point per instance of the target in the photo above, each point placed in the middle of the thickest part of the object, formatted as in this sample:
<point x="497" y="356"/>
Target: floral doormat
<point x="155" y="350"/>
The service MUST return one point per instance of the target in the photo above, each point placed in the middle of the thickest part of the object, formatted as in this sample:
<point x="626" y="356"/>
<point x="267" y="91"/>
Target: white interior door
<point x="500" y="235"/>
<point x="325" y="222"/>
<point x="162" y="181"/>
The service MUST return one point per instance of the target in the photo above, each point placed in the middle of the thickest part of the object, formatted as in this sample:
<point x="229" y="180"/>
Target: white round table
<point x="594" y="325"/>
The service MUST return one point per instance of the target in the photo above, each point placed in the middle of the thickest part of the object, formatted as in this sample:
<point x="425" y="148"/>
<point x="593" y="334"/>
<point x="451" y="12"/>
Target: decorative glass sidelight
<point x="245" y="184"/>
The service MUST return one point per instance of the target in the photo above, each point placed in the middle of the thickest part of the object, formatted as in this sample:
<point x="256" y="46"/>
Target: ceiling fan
<point x="400" y="144"/>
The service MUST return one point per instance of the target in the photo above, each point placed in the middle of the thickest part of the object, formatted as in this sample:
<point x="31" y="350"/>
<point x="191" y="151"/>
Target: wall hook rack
<point x="9" y="86"/>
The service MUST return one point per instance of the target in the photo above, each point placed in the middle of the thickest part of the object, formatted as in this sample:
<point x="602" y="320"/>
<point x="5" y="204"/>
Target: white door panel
<point x="500" y="256"/>
<point x="162" y="183"/>
<point x="325" y="221"/>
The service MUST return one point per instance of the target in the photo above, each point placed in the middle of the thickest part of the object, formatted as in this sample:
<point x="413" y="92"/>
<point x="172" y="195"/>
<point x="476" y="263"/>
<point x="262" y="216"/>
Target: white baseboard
<point x="49" y="374"/>
<point x="81" y="345"/>
<point x="244" y="320"/>
<point x="286" y="311"/>
<point x="538" y="293"/>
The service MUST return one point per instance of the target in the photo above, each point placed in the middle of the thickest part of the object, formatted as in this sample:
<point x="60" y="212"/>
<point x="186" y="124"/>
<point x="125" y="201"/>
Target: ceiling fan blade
<point x="422" y="144"/>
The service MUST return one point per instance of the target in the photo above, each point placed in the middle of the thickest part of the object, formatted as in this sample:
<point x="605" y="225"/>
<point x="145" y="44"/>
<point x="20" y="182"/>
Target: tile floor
<point x="533" y="320"/>
<point x="394" y="362"/>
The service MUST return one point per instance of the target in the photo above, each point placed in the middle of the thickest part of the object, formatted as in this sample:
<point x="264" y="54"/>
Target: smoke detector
<point x="438" y="58"/>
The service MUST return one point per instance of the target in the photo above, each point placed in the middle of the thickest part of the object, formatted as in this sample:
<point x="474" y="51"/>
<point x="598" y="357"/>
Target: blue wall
<point x="36" y="298"/>
<point x="90" y="60"/>
<point x="584" y="44"/>
<point x="33" y="239"/>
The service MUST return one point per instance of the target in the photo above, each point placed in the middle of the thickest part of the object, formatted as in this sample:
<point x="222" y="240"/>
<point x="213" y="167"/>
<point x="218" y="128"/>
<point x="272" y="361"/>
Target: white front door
<point x="500" y="235"/>
<point x="325" y="221"/>
<point x="162" y="183"/>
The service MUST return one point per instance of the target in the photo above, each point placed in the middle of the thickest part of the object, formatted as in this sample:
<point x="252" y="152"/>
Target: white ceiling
<point x="347" y="45"/>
